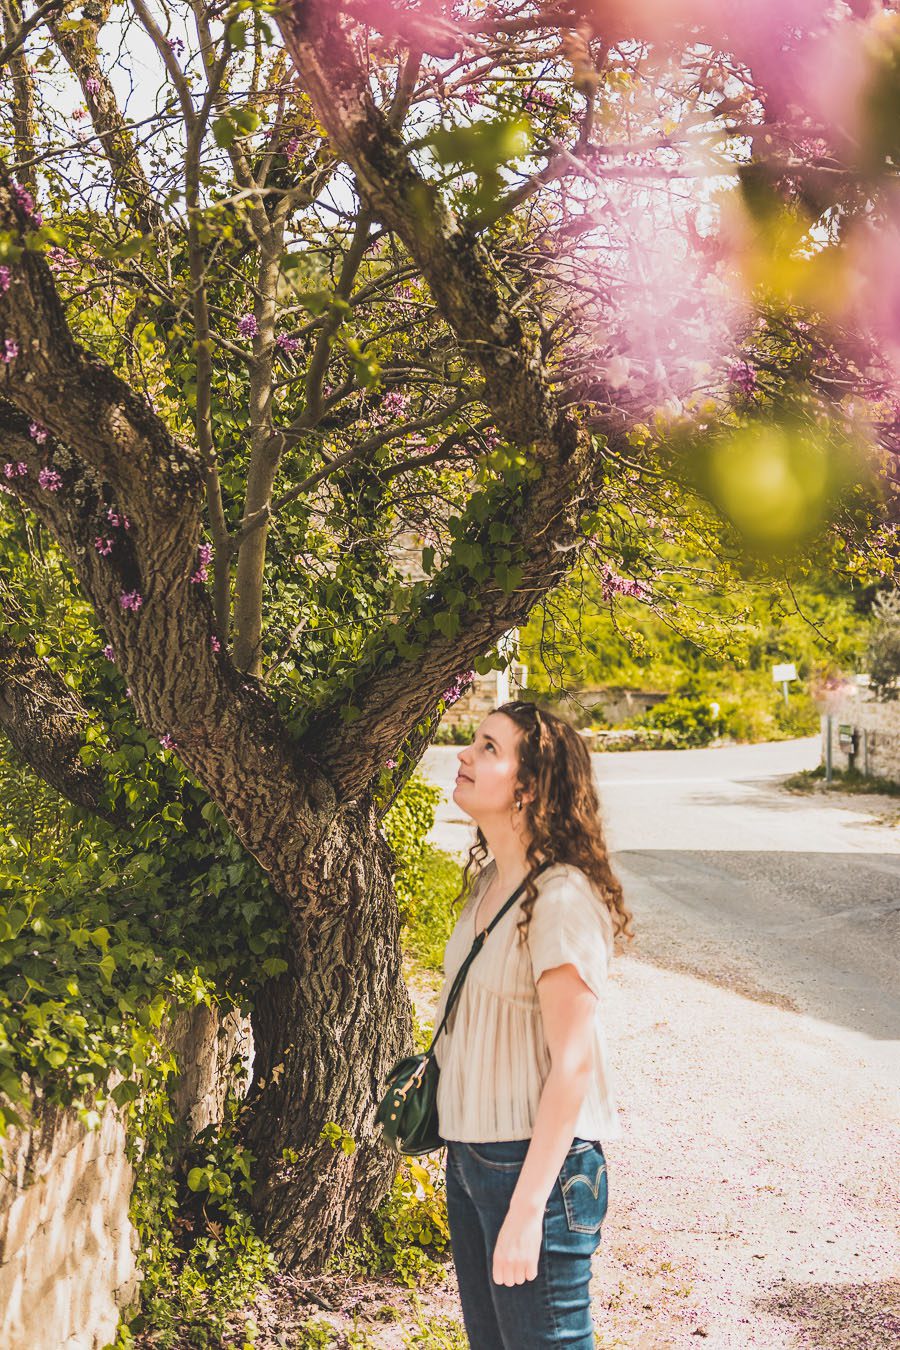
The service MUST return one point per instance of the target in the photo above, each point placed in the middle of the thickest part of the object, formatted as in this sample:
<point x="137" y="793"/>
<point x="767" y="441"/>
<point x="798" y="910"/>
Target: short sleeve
<point x="568" y="925"/>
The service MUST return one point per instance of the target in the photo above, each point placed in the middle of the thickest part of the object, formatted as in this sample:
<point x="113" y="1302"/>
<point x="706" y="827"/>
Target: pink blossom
<point x="60" y="261"/>
<point x="177" y="45"/>
<point x="205" y="553"/>
<point x="109" y="653"/>
<point x="291" y="146"/>
<point x="166" y="742"/>
<point x="104" y="546"/>
<point x="131" y="600"/>
<point x="247" y="326"/>
<point x="10" y="351"/>
<point x="390" y="764"/>
<point x="215" y="643"/>
<point x="287" y="343"/>
<point x="536" y="98"/>
<point x="23" y="197"/>
<point x="4" y="280"/>
<point x="115" y="519"/>
<point x="394" y="403"/>
<point x="92" y="84"/>
<point x="612" y="584"/>
<point x="743" y="376"/>
<point x="78" y="114"/>
<point x="456" y="689"/>
<point x="12" y="470"/>
<point x="49" y="480"/>
<point x="38" y="432"/>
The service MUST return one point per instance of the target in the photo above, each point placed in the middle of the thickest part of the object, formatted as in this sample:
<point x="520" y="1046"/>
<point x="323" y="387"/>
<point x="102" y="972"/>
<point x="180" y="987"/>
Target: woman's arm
<point x="567" y="1009"/>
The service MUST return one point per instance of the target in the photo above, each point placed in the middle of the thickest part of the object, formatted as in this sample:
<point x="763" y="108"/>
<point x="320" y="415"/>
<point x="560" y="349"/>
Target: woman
<point x="524" y="1099"/>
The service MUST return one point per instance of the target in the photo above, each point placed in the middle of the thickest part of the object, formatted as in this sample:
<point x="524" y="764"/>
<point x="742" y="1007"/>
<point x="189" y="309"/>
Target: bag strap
<point x="476" y="948"/>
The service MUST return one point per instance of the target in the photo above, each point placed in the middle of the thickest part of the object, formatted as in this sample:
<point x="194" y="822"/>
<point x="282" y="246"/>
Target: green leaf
<point x="126" y="1091"/>
<point x="237" y="35"/>
<point x="447" y="620"/>
<point x="224" y="132"/>
<point x="247" y="119"/>
<point x="274" y="965"/>
<point x="483" y="146"/>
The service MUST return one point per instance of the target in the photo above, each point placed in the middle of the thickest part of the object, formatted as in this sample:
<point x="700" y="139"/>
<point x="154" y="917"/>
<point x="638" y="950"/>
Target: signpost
<point x="783" y="675"/>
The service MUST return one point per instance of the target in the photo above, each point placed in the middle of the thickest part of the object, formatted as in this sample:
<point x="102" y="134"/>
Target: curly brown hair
<point x="563" y="817"/>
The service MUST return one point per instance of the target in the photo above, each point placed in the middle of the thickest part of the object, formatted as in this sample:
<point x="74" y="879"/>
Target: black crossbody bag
<point x="407" y="1113"/>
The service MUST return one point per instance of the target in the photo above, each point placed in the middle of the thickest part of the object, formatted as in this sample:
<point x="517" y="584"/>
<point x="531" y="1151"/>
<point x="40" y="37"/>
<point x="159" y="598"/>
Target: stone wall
<point x="877" y="728"/>
<point x="68" y="1252"/>
<point x="618" y="703"/>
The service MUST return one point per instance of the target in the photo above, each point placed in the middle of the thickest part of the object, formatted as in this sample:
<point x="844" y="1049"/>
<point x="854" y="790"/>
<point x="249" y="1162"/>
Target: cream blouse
<point x="492" y="1054"/>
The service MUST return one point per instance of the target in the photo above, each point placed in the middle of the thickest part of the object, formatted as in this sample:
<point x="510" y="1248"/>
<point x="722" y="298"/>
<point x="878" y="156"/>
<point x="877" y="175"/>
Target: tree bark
<point x="326" y="1033"/>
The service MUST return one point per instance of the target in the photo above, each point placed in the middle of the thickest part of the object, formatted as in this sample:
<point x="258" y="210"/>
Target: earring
<point x="518" y="803"/>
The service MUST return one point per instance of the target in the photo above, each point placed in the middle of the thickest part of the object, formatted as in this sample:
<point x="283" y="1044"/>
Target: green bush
<point x="689" y="720"/>
<point x="408" y="1234"/>
<point x="201" y="1256"/>
<point x="455" y="733"/>
<point x="431" y="916"/>
<point x="405" y="826"/>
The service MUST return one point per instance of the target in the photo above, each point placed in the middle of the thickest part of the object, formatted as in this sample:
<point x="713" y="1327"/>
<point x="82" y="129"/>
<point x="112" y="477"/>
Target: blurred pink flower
<point x="49" y="480"/>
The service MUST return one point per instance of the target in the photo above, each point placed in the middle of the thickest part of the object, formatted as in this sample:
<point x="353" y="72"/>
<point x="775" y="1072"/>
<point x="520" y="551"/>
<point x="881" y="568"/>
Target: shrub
<point x="405" y="826"/>
<point x="408" y="1232"/>
<point x="455" y="733"/>
<point x="688" y="718"/>
<point x="884" y="646"/>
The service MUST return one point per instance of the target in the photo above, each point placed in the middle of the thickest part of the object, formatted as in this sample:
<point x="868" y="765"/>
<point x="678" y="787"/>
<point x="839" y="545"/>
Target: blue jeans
<point x="553" y="1309"/>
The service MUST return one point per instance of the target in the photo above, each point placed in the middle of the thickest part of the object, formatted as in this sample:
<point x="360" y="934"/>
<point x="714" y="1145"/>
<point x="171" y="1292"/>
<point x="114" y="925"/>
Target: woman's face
<point x="488" y="769"/>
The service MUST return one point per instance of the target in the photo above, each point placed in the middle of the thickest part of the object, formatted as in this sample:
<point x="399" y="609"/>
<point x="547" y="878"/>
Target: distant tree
<point x="884" y="646"/>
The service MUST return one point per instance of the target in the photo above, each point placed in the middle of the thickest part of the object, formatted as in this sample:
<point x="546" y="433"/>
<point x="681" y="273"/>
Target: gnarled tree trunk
<point x="326" y="1034"/>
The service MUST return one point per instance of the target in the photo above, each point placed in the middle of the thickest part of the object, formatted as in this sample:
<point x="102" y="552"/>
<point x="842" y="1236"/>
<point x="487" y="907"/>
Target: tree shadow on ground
<point x="839" y="1316"/>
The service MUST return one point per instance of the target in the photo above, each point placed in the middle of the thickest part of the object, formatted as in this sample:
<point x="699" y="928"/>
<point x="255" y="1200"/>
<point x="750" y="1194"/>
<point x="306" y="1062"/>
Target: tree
<point x="884" y="645"/>
<point x="438" y="274"/>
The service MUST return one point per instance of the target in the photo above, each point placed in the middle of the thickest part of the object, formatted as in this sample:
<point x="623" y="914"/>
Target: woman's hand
<point x="517" y="1249"/>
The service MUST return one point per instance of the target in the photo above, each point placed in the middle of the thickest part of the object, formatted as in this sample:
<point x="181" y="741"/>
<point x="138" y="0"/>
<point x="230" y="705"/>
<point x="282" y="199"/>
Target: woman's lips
<point x="463" y="776"/>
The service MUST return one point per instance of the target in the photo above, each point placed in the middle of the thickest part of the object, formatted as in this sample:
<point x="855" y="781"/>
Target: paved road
<point x="794" y="899"/>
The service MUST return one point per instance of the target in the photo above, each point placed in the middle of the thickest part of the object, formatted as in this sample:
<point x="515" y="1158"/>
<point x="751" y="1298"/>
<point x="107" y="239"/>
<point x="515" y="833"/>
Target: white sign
<point x="782" y="673"/>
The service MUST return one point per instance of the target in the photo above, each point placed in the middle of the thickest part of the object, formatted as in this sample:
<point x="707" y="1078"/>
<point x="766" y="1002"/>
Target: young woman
<point x="524" y="1098"/>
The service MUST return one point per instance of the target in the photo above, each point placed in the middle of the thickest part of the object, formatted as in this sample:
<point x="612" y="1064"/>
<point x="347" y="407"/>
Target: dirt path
<point x="755" y="1194"/>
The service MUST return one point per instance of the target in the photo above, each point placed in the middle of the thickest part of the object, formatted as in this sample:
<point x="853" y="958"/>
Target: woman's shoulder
<point x="569" y="884"/>
<point x="562" y="876"/>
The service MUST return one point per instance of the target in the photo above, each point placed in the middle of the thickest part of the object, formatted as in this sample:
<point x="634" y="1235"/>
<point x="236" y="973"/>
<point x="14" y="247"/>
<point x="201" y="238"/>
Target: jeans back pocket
<point x="585" y="1188"/>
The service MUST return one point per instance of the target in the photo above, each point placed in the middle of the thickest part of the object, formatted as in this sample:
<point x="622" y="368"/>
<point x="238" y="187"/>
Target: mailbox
<point x="848" y="739"/>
